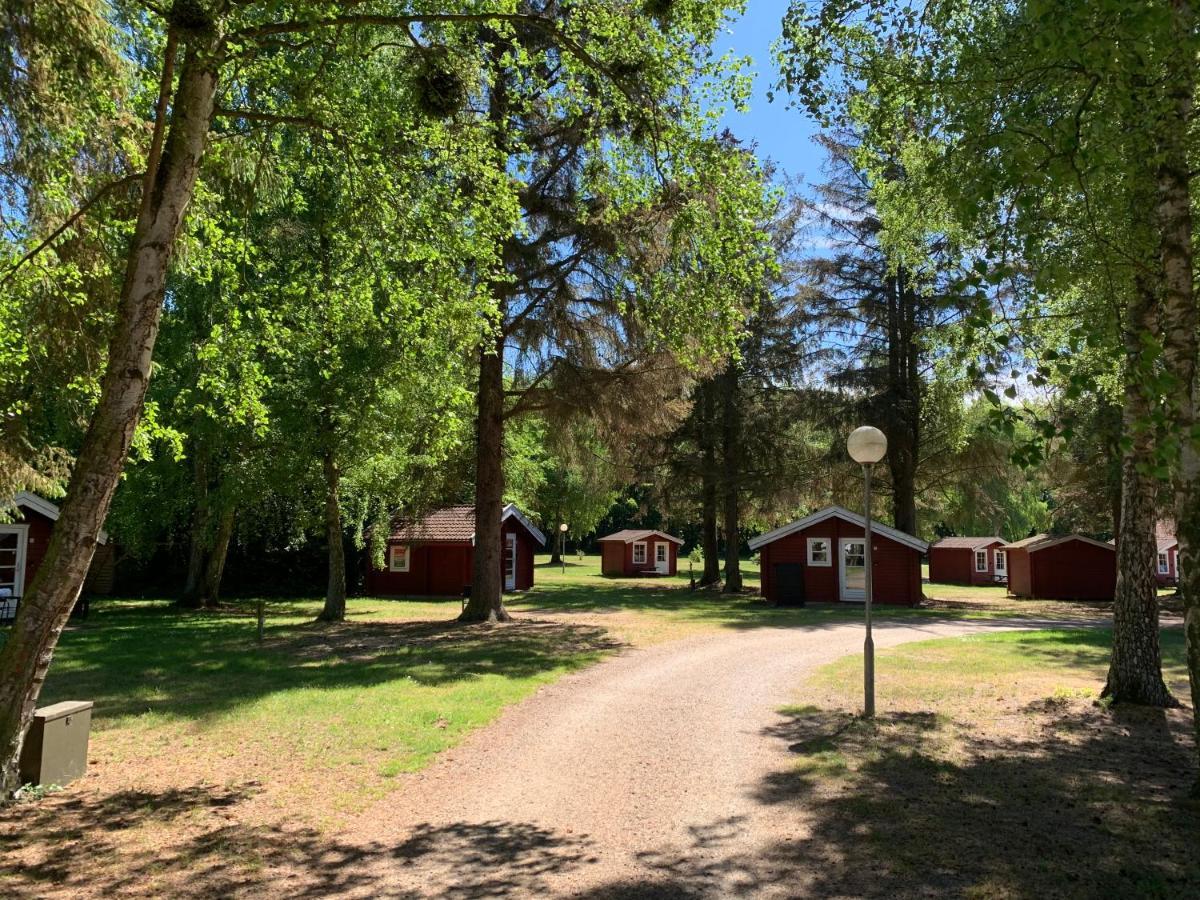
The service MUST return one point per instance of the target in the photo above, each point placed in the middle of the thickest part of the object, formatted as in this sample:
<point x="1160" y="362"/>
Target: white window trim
<point x="21" y="530"/>
<point x="636" y="545"/>
<point x="981" y="555"/>
<point x="1001" y="564"/>
<point x="1164" y="564"/>
<point x="828" y="542"/>
<point x="406" y="558"/>
<point x="661" y="548"/>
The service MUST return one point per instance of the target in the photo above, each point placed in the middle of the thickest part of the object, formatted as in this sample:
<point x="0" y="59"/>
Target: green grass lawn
<point x="330" y="713"/>
<point x="991" y="771"/>
<point x="350" y="706"/>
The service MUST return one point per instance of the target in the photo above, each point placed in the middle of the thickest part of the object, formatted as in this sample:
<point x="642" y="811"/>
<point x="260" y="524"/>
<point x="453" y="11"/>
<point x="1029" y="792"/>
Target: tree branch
<point x="71" y="220"/>
<point x="251" y="115"/>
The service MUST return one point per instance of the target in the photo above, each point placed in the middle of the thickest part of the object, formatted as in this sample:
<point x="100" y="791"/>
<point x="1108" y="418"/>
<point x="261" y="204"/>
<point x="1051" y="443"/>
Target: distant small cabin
<point x="1066" y="567"/>
<point x="639" y="552"/>
<point x="822" y="558"/>
<point x="1166" y="562"/>
<point x="968" y="560"/>
<point x="434" y="556"/>
<point x="23" y="545"/>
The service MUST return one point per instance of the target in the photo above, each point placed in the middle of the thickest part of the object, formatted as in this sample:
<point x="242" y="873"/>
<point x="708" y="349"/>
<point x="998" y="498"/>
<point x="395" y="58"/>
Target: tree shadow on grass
<point x="1076" y="802"/>
<point x="193" y="666"/>
<point x="99" y="845"/>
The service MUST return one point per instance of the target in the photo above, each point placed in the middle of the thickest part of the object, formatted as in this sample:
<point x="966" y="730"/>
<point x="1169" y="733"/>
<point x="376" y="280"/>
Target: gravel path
<point x="644" y="776"/>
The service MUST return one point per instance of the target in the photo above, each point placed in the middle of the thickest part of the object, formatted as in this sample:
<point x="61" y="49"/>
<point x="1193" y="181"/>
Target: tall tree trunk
<point x="198" y="553"/>
<point x="171" y="179"/>
<point x="1135" y="667"/>
<point x="731" y="464"/>
<point x="1174" y="220"/>
<point x="487" y="597"/>
<point x="904" y="401"/>
<point x="335" y="592"/>
<point x="558" y="541"/>
<point x="708" y="489"/>
<point x="215" y="569"/>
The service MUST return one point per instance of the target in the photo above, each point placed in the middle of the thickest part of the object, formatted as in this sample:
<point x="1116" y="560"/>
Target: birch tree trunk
<point x="1174" y="220"/>
<point x="170" y="183"/>
<point x="1135" y="667"/>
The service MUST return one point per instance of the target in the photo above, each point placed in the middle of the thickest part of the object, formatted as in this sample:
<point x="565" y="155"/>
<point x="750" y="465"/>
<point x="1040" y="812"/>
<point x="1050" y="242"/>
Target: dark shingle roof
<point x="629" y="535"/>
<point x="965" y="543"/>
<point x="454" y="524"/>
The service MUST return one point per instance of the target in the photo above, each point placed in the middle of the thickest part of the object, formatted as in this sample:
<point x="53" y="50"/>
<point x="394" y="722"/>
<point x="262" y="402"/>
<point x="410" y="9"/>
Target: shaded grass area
<point x="990" y="772"/>
<point x="325" y="714"/>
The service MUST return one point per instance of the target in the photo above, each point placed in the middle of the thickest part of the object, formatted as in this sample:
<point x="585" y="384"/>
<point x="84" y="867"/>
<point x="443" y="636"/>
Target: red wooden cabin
<point x="433" y="556"/>
<point x="23" y="544"/>
<point x="1066" y="567"/>
<point x="822" y="558"/>
<point x="1166" y="562"/>
<point x="639" y="552"/>
<point x="968" y="560"/>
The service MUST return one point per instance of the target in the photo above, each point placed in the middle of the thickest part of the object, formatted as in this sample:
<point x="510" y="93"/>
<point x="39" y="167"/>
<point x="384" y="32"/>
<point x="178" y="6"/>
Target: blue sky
<point x="782" y="134"/>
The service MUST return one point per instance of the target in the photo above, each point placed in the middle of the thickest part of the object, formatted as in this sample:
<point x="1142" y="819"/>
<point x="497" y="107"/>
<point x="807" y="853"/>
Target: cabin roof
<point x="830" y="512"/>
<point x="629" y="535"/>
<point x="965" y="543"/>
<point x="1037" y="542"/>
<point x="454" y="525"/>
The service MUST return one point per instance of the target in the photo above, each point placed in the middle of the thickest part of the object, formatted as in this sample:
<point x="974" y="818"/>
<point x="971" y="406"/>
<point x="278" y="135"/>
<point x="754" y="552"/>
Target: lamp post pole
<point x="867" y="446"/>
<point x="869" y="643"/>
<point x="562" y="546"/>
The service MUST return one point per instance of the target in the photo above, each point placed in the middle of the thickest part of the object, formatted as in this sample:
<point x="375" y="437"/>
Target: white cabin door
<point x="510" y="562"/>
<point x="854" y="569"/>
<point x="13" y="540"/>
<point x="662" y="559"/>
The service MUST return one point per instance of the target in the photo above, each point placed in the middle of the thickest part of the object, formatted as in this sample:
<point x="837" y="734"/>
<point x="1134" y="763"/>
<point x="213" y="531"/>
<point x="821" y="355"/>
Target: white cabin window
<point x="1001" y="561"/>
<point x="1164" y="564"/>
<point x="398" y="559"/>
<point x="818" y="552"/>
<point x="639" y="553"/>
<point x="980" y="560"/>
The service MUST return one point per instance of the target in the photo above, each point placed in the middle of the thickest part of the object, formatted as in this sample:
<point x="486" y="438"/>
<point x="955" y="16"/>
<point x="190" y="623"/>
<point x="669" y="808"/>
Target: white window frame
<point x="639" y="545"/>
<point x="1001" y="562"/>
<point x="401" y="565"/>
<point x="1164" y="563"/>
<point x="981" y="555"/>
<point x="812" y="543"/>
<point x="660" y="549"/>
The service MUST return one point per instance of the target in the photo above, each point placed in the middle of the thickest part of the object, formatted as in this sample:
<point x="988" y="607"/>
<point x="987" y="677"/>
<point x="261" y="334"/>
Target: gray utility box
<point x="56" y="744"/>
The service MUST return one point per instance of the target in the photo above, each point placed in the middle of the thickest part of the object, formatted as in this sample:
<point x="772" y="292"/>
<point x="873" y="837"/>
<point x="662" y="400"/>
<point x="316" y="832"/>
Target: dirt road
<point x="646" y="776"/>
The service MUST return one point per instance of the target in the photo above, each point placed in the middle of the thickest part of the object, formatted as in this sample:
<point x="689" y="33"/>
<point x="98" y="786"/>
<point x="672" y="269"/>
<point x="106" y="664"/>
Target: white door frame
<point x="844" y="594"/>
<point x="662" y="566"/>
<point x="22" y="533"/>
<point x="510" y="556"/>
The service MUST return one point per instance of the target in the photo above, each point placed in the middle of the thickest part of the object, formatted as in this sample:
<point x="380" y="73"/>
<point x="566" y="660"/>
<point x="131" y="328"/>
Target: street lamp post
<point x="867" y="446"/>
<point x="562" y="546"/>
